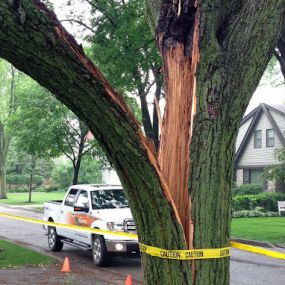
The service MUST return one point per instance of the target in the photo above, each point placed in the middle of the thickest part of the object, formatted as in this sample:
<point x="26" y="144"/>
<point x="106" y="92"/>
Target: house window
<point x="253" y="176"/>
<point x="257" y="139"/>
<point x="269" y="138"/>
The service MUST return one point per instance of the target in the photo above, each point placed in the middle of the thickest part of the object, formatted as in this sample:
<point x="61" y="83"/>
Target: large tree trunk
<point x="231" y="65"/>
<point x="232" y="59"/>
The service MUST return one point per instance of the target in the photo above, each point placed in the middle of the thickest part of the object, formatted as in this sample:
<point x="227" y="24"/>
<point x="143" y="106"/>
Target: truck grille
<point x="129" y="226"/>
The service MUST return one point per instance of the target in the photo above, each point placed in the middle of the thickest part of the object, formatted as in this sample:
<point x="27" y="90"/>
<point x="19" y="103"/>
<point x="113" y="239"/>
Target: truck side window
<point x="82" y="200"/>
<point x="69" y="201"/>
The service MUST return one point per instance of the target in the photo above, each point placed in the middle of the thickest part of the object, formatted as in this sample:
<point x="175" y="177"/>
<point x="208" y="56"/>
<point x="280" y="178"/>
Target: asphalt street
<point x="246" y="268"/>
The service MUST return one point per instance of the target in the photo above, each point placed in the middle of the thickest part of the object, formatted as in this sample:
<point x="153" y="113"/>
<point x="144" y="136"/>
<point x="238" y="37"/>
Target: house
<point x="261" y="132"/>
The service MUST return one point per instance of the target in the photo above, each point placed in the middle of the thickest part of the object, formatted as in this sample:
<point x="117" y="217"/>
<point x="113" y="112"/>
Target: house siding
<point x="242" y="131"/>
<point x="280" y="121"/>
<point x="260" y="157"/>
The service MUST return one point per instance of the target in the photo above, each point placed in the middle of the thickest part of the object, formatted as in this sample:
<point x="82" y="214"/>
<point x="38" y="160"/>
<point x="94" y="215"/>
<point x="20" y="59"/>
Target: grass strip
<point x="261" y="229"/>
<point x="37" y="198"/>
<point x="13" y="255"/>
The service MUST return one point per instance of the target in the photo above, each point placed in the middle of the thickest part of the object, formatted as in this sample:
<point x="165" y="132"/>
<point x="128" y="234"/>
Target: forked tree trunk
<point x="232" y="59"/>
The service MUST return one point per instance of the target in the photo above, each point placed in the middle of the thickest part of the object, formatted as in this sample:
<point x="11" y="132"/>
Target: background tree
<point x="277" y="172"/>
<point x="90" y="172"/>
<point x="227" y="75"/>
<point x="7" y="107"/>
<point x="44" y="127"/>
<point x="123" y="47"/>
<point x="19" y="170"/>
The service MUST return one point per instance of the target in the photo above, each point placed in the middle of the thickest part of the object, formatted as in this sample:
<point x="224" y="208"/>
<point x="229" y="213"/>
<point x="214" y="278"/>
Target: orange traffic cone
<point x="66" y="265"/>
<point x="129" y="280"/>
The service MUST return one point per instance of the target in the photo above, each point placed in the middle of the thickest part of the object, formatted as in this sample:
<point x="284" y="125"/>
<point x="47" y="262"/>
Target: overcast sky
<point x="267" y="92"/>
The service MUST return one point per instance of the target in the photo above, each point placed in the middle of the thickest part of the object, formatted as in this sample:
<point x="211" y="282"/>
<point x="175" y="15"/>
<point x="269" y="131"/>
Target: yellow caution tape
<point x="258" y="250"/>
<point x="155" y="251"/>
<point x="186" y="254"/>
<point x="68" y="226"/>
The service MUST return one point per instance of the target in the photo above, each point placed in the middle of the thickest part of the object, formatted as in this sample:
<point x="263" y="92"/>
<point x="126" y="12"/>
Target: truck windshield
<point x="108" y="199"/>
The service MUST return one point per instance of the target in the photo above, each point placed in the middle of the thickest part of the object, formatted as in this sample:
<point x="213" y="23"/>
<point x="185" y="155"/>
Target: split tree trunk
<point x="232" y="59"/>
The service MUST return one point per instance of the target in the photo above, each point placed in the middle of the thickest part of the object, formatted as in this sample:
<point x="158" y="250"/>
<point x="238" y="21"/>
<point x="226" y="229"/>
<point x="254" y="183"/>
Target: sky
<point x="271" y="89"/>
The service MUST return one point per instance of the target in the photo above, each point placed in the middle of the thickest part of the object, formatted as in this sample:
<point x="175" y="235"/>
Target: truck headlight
<point x="115" y="227"/>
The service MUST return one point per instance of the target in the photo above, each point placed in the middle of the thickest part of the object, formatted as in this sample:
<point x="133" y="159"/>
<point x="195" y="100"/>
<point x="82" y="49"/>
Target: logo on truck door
<point x="83" y="220"/>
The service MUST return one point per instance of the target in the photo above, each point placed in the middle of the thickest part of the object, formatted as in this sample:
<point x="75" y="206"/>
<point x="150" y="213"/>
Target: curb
<point x="258" y="243"/>
<point x="23" y="207"/>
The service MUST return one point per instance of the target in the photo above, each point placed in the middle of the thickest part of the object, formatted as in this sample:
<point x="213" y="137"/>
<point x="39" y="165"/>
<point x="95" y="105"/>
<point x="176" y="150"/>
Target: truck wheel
<point x="100" y="254"/>
<point x="54" y="242"/>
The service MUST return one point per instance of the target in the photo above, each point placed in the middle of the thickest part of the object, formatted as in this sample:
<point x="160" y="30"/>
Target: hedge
<point x="24" y="179"/>
<point x="266" y="202"/>
<point x="247" y="189"/>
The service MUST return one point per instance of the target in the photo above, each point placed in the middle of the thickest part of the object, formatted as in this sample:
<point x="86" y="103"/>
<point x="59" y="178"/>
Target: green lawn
<point x="37" y="198"/>
<point x="13" y="255"/>
<point x="261" y="229"/>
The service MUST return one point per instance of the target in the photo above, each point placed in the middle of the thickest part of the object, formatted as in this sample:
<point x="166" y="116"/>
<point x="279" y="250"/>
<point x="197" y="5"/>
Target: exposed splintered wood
<point x="178" y="43"/>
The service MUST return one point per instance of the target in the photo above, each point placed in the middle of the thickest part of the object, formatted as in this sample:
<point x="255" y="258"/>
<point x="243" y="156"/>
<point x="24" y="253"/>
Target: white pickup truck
<point x="102" y="207"/>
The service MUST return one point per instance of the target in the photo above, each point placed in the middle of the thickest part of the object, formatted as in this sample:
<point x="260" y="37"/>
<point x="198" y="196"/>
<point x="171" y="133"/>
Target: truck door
<point x="82" y="216"/>
<point x="67" y="214"/>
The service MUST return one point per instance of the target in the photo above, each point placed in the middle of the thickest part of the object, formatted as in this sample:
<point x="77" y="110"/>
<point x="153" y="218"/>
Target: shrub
<point x="24" y="179"/>
<point x="248" y="189"/>
<point x="19" y="190"/>
<point x="50" y="188"/>
<point x="267" y="202"/>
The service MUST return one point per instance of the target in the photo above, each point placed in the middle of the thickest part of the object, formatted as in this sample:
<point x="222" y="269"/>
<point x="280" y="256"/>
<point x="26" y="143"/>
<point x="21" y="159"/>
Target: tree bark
<point x="233" y="55"/>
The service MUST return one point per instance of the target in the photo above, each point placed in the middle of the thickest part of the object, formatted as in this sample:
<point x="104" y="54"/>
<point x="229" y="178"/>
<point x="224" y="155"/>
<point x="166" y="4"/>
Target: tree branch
<point x="100" y="9"/>
<point x="80" y="23"/>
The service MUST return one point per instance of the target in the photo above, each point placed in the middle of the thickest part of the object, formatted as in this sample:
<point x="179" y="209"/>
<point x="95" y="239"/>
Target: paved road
<point x="246" y="268"/>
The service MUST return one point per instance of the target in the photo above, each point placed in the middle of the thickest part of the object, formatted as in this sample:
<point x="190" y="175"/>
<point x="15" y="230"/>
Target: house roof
<point x="255" y="115"/>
